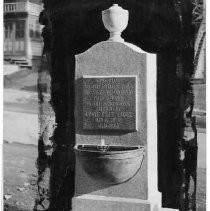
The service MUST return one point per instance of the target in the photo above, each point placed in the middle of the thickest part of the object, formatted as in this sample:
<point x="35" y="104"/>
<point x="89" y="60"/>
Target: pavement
<point x="20" y="176"/>
<point x="20" y="117"/>
<point x="21" y="121"/>
<point x="21" y="130"/>
<point x="10" y="68"/>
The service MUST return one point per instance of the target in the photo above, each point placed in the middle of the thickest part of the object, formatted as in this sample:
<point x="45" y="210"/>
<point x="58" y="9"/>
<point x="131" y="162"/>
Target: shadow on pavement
<point x="12" y="208"/>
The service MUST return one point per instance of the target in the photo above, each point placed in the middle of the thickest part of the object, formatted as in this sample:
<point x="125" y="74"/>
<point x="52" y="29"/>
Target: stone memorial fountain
<point x="115" y="123"/>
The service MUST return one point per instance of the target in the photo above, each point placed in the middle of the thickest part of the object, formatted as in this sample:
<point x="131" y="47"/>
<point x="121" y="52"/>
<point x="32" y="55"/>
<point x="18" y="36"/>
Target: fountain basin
<point x="116" y="165"/>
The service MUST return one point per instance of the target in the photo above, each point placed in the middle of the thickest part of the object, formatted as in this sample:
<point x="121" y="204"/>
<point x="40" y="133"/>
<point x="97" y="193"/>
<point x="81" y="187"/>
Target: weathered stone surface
<point x="117" y="60"/>
<point x="108" y="204"/>
<point x="109" y="103"/>
<point x="111" y="59"/>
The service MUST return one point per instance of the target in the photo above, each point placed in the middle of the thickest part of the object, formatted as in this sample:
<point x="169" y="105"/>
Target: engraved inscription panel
<point x="109" y="103"/>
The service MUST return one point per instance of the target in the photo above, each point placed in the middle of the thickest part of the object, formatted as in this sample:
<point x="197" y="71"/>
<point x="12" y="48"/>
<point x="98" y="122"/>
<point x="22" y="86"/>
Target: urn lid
<point x="114" y="9"/>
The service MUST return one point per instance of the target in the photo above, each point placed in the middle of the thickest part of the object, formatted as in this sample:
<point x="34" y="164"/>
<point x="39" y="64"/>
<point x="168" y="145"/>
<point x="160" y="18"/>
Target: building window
<point x="20" y="29"/>
<point x="37" y="29"/>
<point x="31" y="30"/>
<point x="34" y="29"/>
<point x="8" y="30"/>
<point x="8" y="46"/>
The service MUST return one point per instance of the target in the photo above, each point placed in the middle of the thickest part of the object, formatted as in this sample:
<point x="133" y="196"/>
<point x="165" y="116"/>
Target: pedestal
<point x="111" y="60"/>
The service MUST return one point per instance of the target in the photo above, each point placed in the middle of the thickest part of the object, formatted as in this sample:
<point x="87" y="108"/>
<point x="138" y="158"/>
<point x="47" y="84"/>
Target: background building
<point x="22" y="32"/>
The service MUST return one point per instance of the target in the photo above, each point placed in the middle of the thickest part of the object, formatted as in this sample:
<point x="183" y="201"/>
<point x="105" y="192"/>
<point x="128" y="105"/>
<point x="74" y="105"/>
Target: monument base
<point x="88" y="202"/>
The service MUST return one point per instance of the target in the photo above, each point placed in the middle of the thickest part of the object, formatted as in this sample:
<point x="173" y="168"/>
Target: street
<point x="21" y="130"/>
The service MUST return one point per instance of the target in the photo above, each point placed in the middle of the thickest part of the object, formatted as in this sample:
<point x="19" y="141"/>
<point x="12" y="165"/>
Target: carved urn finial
<point x="115" y="20"/>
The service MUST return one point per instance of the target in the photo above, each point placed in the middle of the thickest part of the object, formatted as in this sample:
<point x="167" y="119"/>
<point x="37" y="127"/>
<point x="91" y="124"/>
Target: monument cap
<point x="115" y="8"/>
<point x="115" y="20"/>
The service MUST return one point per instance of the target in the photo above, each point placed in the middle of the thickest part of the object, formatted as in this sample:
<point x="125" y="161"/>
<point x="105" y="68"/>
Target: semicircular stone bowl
<point x="116" y="165"/>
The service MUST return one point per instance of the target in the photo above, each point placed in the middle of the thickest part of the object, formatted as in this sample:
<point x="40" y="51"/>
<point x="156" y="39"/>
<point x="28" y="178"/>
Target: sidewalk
<point x="20" y="116"/>
<point x="20" y="173"/>
<point x="20" y="176"/>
